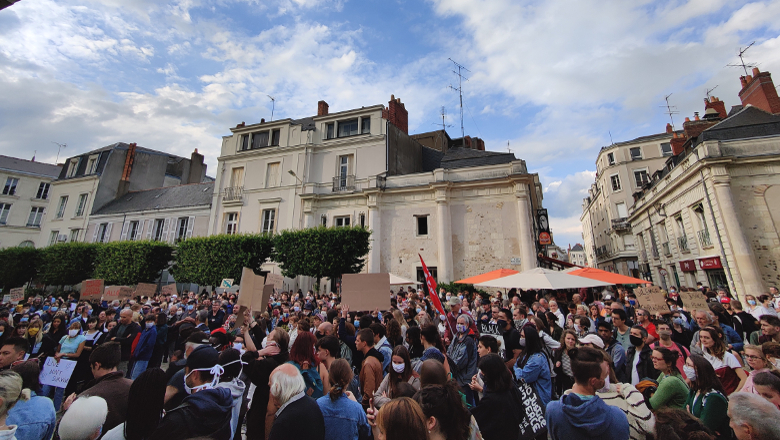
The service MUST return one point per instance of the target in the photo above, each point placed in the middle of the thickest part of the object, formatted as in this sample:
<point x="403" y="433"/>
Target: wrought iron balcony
<point x="233" y="194"/>
<point x="621" y="224"/>
<point x="344" y="183"/>
<point x="667" y="250"/>
<point x="682" y="242"/>
<point x="704" y="238"/>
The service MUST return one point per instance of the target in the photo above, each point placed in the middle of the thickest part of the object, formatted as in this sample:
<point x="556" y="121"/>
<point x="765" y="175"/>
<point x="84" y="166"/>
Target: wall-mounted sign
<point x="515" y="261"/>
<point x="710" y="263"/>
<point x="544" y="238"/>
<point x="543" y="219"/>
<point x="688" y="266"/>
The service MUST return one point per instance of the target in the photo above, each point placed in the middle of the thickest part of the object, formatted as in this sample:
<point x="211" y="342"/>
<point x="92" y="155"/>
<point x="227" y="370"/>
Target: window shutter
<point x="190" y="226"/>
<point x="125" y="227"/>
<point x="108" y="232"/>
<point x="95" y="232"/>
<point x="173" y="231"/>
<point x="166" y="226"/>
<point x="149" y="227"/>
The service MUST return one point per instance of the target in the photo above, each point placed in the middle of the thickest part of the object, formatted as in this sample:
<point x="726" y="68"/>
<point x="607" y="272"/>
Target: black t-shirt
<point x="511" y="342"/>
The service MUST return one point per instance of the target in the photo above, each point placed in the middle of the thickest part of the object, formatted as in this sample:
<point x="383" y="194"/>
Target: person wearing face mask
<point x="681" y="334"/>
<point x="233" y="366"/>
<point x="463" y="355"/>
<point x="639" y="362"/>
<point x="707" y="399"/>
<point x="400" y="371"/>
<point x="144" y="348"/>
<point x="70" y="347"/>
<point x="207" y="410"/>
<point x="581" y="414"/>
<point x="513" y="345"/>
<point x="665" y="341"/>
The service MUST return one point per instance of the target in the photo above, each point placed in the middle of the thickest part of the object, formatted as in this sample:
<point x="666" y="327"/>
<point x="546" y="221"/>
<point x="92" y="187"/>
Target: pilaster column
<point x="375" y="226"/>
<point x="746" y="267"/>
<point x="525" y="227"/>
<point x="444" y="235"/>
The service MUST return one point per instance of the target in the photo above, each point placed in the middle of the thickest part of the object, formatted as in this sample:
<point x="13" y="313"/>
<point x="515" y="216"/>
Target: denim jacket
<point x="344" y="419"/>
<point x="35" y="418"/>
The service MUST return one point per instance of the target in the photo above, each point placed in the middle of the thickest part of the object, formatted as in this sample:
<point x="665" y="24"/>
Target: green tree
<point x="18" y="265"/>
<point x="131" y="262"/>
<point x="68" y="263"/>
<point x="322" y="252"/>
<point x="206" y="261"/>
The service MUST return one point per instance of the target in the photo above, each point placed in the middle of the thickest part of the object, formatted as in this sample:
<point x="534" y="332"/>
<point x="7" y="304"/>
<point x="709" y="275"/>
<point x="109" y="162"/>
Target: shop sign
<point x="544" y="238"/>
<point x="710" y="263"/>
<point x="688" y="266"/>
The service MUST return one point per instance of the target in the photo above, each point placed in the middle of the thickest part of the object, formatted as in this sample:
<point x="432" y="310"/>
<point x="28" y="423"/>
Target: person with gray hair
<point x="297" y="415"/>
<point x="753" y="417"/>
<point x="84" y="419"/>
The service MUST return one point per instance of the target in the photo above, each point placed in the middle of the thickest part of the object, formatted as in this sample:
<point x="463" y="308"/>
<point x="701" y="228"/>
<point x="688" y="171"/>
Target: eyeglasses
<point x="753" y="358"/>
<point x="657" y="359"/>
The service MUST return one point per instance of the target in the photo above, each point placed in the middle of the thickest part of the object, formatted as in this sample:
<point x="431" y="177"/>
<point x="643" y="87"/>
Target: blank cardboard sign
<point x="366" y="291"/>
<point x="250" y="293"/>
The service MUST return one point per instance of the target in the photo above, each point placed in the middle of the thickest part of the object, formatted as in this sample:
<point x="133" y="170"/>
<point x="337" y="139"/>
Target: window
<point x="362" y="220"/>
<point x="61" y="207"/>
<point x="272" y="175"/>
<point x="53" y="237"/>
<point x="181" y="230"/>
<point x="324" y="220"/>
<point x="10" y="186"/>
<point x="92" y="164"/>
<point x="43" y="191"/>
<point x="421" y="274"/>
<point x="275" y="135"/>
<point x="348" y="128"/>
<point x="82" y="205"/>
<point x="103" y="233"/>
<point x="342" y="221"/>
<point x="259" y="139"/>
<point x="244" y="142"/>
<point x="365" y="125"/>
<point x="132" y="231"/>
<point x="344" y="170"/>
<point x="422" y="225"/>
<point x="611" y="158"/>
<point x="615" y="179"/>
<point x="329" y="131"/>
<point x="74" y="235"/>
<point x="636" y="153"/>
<point x="641" y="178"/>
<point x="157" y="231"/>
<point x="73" y="166"/>
<point x="237" y="177"/>
<point x="34" y="220"/>
<point x="621" y="210"/>
<point x="231" y="223"/>
<point x="268" y="218"/>
<point x="4" y="209"/>
<point x="666" y="149"/>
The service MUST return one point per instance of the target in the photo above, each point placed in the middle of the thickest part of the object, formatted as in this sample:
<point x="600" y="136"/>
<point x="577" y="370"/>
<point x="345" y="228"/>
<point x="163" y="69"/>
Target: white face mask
<point x="605" y="388"/>
<point x="398" y="368"/>
<point x="149" y="324"/>
<point x="689" y="372"/>
<point x="73" y="333"/>
<point x="216" y="370"/>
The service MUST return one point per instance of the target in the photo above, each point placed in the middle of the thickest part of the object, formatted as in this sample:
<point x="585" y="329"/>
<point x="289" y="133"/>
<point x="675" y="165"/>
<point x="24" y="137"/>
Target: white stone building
<point x="577" y="255"/>
<point x="24" y="200"/>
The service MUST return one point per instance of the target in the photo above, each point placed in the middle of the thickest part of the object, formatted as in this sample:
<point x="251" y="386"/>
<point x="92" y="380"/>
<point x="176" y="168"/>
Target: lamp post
<point x="300" y="221"/>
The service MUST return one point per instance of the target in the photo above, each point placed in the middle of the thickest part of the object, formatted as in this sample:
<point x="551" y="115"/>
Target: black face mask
<point x="635" y="341"/>
<point x="319" y="335"/>
<point x="501" y="324"/>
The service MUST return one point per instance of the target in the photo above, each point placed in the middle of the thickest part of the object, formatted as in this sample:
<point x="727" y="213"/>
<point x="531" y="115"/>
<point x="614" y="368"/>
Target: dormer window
<point x="260" y="139"/>
<point x="348" y="127"/>
<point x="92" y="164"/>
<point x="73" y="166"/>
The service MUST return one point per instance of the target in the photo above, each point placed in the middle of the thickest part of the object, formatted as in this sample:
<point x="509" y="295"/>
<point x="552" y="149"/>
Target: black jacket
<point x="258" y="372"/>
<point x="206" y="413"/>
<point x="499" y="414"/>
<point x="301" y="419"/>
<point x="127" y="339"/>
<point x="644" y="368"/>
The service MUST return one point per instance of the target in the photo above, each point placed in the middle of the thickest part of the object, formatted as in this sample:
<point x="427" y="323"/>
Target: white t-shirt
<point x="635" y="374"/>
<point x="729" y="361"/>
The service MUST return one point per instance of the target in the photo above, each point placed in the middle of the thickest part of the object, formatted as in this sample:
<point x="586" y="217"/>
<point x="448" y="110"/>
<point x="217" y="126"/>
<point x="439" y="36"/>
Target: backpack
<point x="312" y="380"/>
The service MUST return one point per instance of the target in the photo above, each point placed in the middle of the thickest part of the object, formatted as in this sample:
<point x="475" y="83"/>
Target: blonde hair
<point x="39" y="336"/>
<point x="83" y="419"/>
<point x="11" y="390"/>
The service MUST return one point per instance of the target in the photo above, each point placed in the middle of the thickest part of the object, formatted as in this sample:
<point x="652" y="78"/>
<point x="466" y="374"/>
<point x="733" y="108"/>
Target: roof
<point x="307" y="124"/>
<point x="651" y="137"/>
<point x="746" y="123"/>
<point x="29" y="167"/>
<point x="125" y="146"/>
<point x="577" y="248"/>
<point x="431" y="159"/>
<point x="466" y="157"/>
<point x="179" y="196"/>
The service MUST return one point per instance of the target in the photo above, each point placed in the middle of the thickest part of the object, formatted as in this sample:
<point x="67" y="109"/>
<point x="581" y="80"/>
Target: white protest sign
<point x="56" y="374"/>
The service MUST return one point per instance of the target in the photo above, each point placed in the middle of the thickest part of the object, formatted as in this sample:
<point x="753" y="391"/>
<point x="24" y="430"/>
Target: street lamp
<point x="300" y="221"/>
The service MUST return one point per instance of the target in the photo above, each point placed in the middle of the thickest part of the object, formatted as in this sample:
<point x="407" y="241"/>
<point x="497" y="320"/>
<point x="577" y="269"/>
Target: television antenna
<point x="460" y="93"/>
<point x="670" y="109"/>
<point x="61" y="146"/>
<point x="742" y="62"/>
<point x="444" y="125"/>
<point x="710" y="91"/>
<point x="273" y="104"/>
<point x="508" y="150"/>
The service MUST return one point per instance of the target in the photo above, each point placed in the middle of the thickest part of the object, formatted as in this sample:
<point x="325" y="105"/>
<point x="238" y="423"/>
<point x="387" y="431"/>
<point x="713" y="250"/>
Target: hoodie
<point x="236" y="387"/>
<point x="207" y="413"/>
<point x="575" y="418"/>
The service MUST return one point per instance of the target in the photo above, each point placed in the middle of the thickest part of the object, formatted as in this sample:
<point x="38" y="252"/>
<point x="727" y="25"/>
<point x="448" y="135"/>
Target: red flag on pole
<point x="431" y="287"/>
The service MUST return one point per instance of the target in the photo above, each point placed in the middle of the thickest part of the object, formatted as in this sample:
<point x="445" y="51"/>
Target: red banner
<point x="710" y="263"/>
<point x="431" y="287"/>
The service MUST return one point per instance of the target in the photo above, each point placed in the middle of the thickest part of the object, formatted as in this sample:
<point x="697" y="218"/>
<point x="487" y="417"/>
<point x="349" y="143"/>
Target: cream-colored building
<point x="464" y="211"/>
<point x="24" y="200"/>
<point x="622" y="169"/>
<point x="713" y="214"/>
<point x="577" y="255"/>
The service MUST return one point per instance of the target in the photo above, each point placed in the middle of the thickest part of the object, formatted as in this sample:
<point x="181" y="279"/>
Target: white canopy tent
<point x="395" y="280"/>
<point x="540" y="278"/>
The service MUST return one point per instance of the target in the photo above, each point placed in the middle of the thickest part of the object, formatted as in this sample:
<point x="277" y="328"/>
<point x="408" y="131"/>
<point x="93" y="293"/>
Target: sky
<point x="553" y="81"/>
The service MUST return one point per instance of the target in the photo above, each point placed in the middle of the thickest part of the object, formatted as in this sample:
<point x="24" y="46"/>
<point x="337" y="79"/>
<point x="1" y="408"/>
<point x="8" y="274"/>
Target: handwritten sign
<point x="17" y="295"/>
<point x="694" y="301"/>
<point x="6" y="299"/>
<point x="533" y="422"/>
<point x="169" y="289"/>
<point x="275" y="279"/>
<point x="56" y="374"/>
<point x="652" y="299"/>
<point x="366" y="291"/>
<point x="145" y="289"/>
<point x="91" y="289"/>
<point x="227" y="283"/>
<point x="486" y="328"/>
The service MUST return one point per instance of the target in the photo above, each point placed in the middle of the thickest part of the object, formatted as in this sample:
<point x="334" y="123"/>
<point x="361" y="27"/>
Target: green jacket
<point x="712" y="409"/>
<point x="672" y="393"/>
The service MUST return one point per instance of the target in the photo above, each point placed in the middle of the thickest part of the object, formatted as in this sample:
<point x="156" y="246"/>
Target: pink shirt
<point x="680" y="359"/>
<point x="749" y="387"/>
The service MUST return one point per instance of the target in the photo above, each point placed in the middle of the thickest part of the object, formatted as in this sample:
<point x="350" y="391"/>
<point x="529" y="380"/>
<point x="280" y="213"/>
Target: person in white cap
<point x="592" y="340"/>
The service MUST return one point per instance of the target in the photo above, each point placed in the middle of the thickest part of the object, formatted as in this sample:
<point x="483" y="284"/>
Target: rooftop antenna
<point x="610" y="137"/>
<point x="670" y="109"/>
<point x="61" y="146"/>
<point x="444" y="125"/>
<point x="460" y="93"/>
<point x="508" y="150"/>
<point x="710" y="91"/>
<point x="742" y="62"/>
<point x="273" y="104"/>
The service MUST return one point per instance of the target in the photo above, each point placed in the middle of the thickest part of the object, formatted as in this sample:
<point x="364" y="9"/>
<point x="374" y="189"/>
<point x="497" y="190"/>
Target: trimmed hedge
<point x="131" y="262"/>
<point x="18" y="265"/>
<point x="206" y="261"/>
<point x="66" y="264"/>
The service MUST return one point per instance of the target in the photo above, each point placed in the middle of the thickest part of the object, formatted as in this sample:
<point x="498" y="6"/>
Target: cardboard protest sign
<point x="366" y="291"/>
<point x="227" y="283"/>
<point x="264" y="297"/>
<point x="111" y="293"/>
<point x="56" y="374"/>
<point x="6" y="299"/>
<point x="251" y="291"/>
<point x="652" y="298"/>
<point x="145" y="289"/>
<point x="275" y="279"/>
<point x="240" y="316"/>
<point x="169" y="289"/>
<point x="485" y="328"/>
<point x="91" y="289"/>
<point x="694" y="301"/>
<point x="17" y="295"/>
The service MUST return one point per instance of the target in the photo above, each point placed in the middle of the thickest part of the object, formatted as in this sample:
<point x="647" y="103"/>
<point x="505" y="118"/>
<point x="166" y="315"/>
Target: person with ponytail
<point x="10" y="392"/>
<point x="400" y="371"/>
<point x="344" y="416"/>
<point x="672" y="390"/>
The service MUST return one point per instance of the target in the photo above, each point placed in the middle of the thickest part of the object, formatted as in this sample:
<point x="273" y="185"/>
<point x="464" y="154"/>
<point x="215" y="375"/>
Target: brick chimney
<point x="677" y="143"/>
<point x="669" y="128"/>
<point x="759" y="91"/>
<point x="322" y="108"/>
<point x="197" y="168"/>
<point x="716" y="104"/>
<point x="124" y="182"/>
<point x="396" y="114"/>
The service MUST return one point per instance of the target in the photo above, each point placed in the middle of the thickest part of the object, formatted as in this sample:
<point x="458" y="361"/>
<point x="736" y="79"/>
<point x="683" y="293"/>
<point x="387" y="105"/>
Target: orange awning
<point x="490" y="276"/>
<point x="609" y="277"/>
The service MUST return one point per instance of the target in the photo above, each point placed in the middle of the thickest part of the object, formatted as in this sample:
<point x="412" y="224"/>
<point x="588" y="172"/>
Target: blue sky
<point x="552" y="78"/>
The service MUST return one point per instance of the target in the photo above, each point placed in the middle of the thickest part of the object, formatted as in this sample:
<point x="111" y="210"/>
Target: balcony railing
<point x="621" y="224"/>
<point x="682" y="243"/>
<point x="666" y="249"/>
<point x="654" y="251"/>
<point x="233" y="194"/>
<point x="344" y="183"/>
<point x="643" y="256"/>
<point x="704" y="238"/>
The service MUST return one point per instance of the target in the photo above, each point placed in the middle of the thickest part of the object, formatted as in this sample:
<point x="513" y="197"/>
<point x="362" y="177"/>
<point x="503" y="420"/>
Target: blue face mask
<point x="752" y="302"/>
<point x="25" y="320"/>
<point x="190" y="307"/>
<point x="45" y="308"/>
<point x="678" y="321"/>
<point x="54" y="309"/>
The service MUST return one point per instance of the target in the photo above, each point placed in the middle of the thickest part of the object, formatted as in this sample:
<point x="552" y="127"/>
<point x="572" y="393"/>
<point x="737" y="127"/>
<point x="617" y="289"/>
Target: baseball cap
<point x="725" y="300"/>
<point x="198" y="337"/>
<point x="454" y="301"/>
<point x="589" y="339"/>
<point x="203" y="357"/>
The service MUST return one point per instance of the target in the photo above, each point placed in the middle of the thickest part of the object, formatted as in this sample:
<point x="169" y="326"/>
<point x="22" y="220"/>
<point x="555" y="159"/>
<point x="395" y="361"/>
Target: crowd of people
<point x="468" y="365"/>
